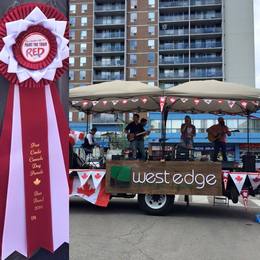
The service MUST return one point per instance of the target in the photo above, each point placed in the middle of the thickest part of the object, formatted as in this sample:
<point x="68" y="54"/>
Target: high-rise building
<point x="161" y="42"/>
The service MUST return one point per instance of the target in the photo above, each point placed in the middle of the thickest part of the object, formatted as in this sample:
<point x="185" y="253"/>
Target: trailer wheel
<point x="156" y="204"/>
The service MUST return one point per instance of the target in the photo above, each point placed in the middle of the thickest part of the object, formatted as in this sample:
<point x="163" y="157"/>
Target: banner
<point x="34" y="142"/>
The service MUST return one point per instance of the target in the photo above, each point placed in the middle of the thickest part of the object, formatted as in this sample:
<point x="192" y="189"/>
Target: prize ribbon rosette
<point x="34" y="207"/>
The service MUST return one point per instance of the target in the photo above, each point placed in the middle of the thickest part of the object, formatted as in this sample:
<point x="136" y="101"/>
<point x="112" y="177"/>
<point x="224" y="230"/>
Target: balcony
<point x="174" y="18"/>
<point x="98" y="77"/>
<point x="203" y="45"/>
<point x="165" y="4"/>
<point x="174" y="60"/>
<point x="109" y="49"/>
<point x="109" y="35"/>
<point x="205" y="16"/>
<point x="177" y="46"/>
<point x="105" y="8"/>
<point x="180" y="32"/>
<point x="205" y="59"/>
<point x="114" y="63"/>
<point x="206" y="74"/>
<point x="205" y="2"/>
<point x="206" y="30"/>
<point x="109" y="21"/>
<point x="174" y="75"/>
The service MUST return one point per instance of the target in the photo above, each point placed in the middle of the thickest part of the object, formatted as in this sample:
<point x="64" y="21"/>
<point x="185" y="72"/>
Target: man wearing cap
<point x="89" y="141"/>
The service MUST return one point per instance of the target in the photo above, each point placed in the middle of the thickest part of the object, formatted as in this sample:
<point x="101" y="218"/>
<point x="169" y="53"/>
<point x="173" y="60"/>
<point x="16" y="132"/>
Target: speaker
<point x="248" y="162"/>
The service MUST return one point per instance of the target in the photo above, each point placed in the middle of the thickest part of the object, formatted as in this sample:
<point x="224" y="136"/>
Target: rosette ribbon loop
<point x="34" y="193"/>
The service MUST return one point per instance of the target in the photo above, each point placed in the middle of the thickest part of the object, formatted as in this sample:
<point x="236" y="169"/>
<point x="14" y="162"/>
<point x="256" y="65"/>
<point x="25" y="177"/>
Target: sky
<point x="257" y="41"/>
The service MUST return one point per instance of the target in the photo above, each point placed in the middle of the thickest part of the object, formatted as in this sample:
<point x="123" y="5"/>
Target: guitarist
<point x="136" y="142"/>
<point x="220" y="132"/>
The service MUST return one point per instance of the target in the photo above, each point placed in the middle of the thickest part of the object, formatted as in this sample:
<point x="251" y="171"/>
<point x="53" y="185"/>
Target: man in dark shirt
<point x="136" y="139"/>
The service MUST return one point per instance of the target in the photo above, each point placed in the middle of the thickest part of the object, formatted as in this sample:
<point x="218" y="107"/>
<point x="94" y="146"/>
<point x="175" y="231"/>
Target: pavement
<point x="198" y="232"/>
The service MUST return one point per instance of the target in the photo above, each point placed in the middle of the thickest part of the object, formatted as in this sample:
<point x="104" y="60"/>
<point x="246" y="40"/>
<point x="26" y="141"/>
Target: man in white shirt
<point x="89" y="141"/>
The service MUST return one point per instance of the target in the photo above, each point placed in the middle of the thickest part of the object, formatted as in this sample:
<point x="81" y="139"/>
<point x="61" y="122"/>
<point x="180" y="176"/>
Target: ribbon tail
<point x="34" y="120"/>
<point x="5" y="144"/>
<point x="14" y="233"/>
<point x="58" y="172"/>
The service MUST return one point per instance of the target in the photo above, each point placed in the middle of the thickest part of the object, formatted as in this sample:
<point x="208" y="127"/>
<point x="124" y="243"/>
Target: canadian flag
<point x="225" y="175"/>
<point x="88" y="192"/>
<point x="239" y="180"/>
<point x="74" y="136"/>
<point x="254" y="179"/>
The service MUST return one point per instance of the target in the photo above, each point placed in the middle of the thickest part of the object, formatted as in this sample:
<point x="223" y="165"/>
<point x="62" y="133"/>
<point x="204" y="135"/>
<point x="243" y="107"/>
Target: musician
<point x="220" y="131"/>
<point x="140" y="139"/>
<point x="89" y="141"/>
<point x="136" y="141"/>
<point x="188" y="132"/>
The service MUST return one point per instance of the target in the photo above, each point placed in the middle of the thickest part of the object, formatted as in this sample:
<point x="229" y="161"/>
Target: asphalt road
<point x="197" y="232"/>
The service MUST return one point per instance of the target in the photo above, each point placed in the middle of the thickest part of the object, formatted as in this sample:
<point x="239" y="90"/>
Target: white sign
<point x="35" y="47"/>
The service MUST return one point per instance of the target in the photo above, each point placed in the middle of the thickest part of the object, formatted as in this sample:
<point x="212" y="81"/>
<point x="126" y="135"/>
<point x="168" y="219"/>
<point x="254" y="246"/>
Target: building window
<point x="81" y="116"/>
<point x="72" y="34"/>
<point x="84" y="21"/>
<point x="133" y="4"/>
<point x="70" y="116"/>
<point x="133" y="31"/>
<point x="151" y="16"/>
<point x="72" y="8"/>
<point x="72" y="47"/>
<point x="150" y="72"/>
<point x="133" y="45"/>
<point x="83" y="35"/>
<point x="71" y="74"/>
<point x="151" y="3"/>
<point x="82" y="75"/>
<point x="132" y="72"/>
<point x="72" y="61"/>
<point x="133" y="59"/>
<point x="83" y="47"/>
<point x="151" y="44"/>
<point x="72" y="21"/>
<point x="151" y="57"/>
<point x="151" y="30"/>
<point x="84" y="8"/>
<point x="83" y="61"/>
<point x="133" y="17"/>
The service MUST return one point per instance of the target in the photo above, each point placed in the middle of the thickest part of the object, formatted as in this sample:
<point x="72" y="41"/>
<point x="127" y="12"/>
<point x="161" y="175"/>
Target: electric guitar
<point x="214" y="137"/>
<point x="131" y="136"/>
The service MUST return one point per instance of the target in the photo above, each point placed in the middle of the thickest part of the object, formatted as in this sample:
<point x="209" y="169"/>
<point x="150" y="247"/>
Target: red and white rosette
<point x="34" y="194"/>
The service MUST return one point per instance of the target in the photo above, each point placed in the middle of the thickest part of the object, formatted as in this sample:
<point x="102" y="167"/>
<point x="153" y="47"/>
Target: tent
<point x="116" y="96"/>
<point x="208" y="96"/>
<point x="212" y="96"/>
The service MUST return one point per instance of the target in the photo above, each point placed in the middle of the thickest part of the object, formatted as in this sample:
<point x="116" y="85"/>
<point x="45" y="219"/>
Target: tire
<point x="157" y="205"/>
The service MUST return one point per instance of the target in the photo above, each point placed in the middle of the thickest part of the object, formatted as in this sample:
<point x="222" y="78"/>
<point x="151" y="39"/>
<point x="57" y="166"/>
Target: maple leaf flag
<point x="239" y="180"/>
<point x="255" y="180"/>
<point x="88" y="192"/>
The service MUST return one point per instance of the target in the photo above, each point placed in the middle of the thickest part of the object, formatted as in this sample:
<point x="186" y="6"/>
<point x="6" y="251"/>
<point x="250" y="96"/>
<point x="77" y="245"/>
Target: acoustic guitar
<point x="214" y="137"/>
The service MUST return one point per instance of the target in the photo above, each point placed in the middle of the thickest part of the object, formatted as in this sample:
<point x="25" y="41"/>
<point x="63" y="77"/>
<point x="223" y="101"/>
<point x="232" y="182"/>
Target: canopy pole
<point x="87" y="127"/>
<point x="248" y="140"/>
<point x="164" y="116"/>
